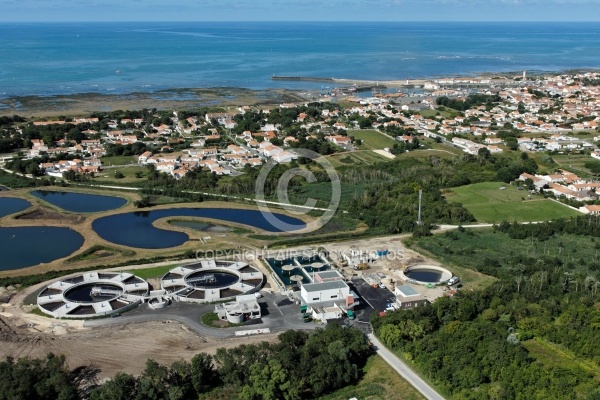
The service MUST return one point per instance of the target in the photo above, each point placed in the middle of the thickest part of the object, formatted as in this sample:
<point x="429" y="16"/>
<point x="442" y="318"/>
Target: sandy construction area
<point x="111" y="349"/>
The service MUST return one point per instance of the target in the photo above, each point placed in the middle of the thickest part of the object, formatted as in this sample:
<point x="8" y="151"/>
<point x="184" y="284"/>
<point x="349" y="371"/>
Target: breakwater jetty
<point x="357" y="85"/>
<point x="300" y="78"/>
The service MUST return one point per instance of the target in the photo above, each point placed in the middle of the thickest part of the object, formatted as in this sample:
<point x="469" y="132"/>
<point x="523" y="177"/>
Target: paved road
<point x="404" y="370"/>
<point x="278" y="314"/>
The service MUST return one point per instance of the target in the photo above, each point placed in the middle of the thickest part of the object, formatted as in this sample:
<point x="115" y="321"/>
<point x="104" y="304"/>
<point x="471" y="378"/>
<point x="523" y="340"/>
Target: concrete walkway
<point x="404" y="370"/>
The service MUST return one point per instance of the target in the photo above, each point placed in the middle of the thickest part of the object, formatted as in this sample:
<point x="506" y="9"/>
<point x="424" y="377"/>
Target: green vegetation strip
<point x="98" y="251"/>
<point x="153" y="272"/>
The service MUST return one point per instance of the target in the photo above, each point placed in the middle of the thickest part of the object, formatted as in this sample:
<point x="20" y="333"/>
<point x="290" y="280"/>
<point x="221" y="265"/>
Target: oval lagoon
<point x="11" y="205"/>
<point x="31" y="245"/>
<point x="80" y="202"/>
<point x="135" y="229"/>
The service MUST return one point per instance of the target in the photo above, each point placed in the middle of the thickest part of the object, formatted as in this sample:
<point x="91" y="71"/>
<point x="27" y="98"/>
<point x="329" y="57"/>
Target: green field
<point x="353" y="158"/>
<point x="573" y="163"/>
<point x="448" y="113"/>
<point x="118" y="160"/>
<point x="372" y="139"/>
<point x="108" y="175"/>
<point x="488" y="203"/>
<point x="379" y="382"/>
<point x="426" y="154"/>
<point x="441" y="146"/>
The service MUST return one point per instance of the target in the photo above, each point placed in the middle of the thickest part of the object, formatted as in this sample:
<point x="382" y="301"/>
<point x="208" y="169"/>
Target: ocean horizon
<point x="62" y="58"/>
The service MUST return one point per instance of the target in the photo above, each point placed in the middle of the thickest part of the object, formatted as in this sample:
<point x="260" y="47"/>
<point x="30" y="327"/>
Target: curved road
<point x="404" y="370"/>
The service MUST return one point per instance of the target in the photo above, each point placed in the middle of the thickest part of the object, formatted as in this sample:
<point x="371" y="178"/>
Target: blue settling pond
<point x="22" y="247"/>
<point x="11" y="205"/>
<point x="135" y="229"/>
<point x="80" y="202"/>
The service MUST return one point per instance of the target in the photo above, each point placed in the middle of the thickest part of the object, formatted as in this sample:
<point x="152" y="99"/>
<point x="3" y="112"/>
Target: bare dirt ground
<point x="123" y="348"/>
<point x="46" y="214"/>
<point x="111" y="349"/>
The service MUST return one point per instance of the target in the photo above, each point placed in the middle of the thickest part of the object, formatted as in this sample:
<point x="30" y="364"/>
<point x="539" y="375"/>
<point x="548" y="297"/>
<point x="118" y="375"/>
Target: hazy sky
<point x="299" y="10"/>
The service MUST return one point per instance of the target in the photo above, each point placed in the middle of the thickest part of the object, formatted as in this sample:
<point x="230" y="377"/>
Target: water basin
<point x="135" y="229"/>
<point x="11" y="205"/>
<point x="80" y="202"/>
<point x="27" y="246"/>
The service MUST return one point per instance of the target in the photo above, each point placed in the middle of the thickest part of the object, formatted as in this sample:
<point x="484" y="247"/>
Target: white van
<point x="453" y="281"/>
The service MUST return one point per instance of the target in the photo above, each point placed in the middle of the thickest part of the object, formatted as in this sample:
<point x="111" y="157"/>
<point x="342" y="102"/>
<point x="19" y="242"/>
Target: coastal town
<point x="553" y="115"/>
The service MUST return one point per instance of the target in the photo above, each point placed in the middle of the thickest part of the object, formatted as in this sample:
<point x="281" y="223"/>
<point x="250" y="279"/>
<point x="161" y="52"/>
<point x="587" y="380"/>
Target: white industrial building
<point x="329" y="297"/>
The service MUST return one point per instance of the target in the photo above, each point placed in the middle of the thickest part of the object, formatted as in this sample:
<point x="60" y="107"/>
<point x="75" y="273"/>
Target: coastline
<point x="81" y="104"/>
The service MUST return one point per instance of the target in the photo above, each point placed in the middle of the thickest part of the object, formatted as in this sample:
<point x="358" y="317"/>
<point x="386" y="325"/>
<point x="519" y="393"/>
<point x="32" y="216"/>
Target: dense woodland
<point x="300" y="365"/>
<point x="533" y="334"/>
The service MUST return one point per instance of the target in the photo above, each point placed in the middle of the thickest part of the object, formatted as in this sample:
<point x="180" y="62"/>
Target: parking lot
<point x="371" y="299"/>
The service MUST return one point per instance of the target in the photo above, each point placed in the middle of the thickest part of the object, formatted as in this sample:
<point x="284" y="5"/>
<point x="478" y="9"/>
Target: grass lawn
<point x="154" y="272"/>
<point x="442" y="146"/>
<point x="118" y="160"/>
<point x="379" y="382"/>
<point x="360" y="157"/>
<point x="372" y="139"/>
<point x="425" y="154"/>
<point x="488" y="203"/>
<point x="108" y="175"/>
<point x="432" y="113"/>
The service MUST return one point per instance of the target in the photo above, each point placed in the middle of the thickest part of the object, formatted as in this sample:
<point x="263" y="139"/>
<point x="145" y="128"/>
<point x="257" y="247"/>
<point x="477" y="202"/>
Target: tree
<point x="204" y="375"/>
<point x="119" y="175"/>
<point x="121" y="387"/>
<point x="390" y="335"/>
<point x="484" y="153"/>
<point x="269" y="382"/>
<point x="153" y="381"/>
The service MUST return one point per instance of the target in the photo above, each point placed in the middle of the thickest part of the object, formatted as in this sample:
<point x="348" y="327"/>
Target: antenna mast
<point x="420" y="197"/>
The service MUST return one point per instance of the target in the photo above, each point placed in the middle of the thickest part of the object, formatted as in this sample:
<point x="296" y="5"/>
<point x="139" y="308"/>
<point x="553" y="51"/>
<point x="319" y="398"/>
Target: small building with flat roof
<point x="244" y="307"/>
<point x="327" y="276"/>
<point x="409" y="297"/>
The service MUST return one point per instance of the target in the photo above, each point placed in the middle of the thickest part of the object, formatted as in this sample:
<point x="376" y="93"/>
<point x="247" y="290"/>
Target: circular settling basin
<point x="427" y="274"/>
<point x="211" y="279"/>
<point x="93" y="292"/>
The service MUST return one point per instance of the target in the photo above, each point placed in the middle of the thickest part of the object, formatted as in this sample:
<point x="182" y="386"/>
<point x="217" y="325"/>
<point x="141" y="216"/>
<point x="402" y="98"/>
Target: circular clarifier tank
<point x="426" y="274"/>
<point x="93" y="292"/>
<point x="211" y="279"/>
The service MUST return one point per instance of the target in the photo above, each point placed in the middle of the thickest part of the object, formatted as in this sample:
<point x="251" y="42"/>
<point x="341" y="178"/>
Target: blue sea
<point x="66" y="58"/>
